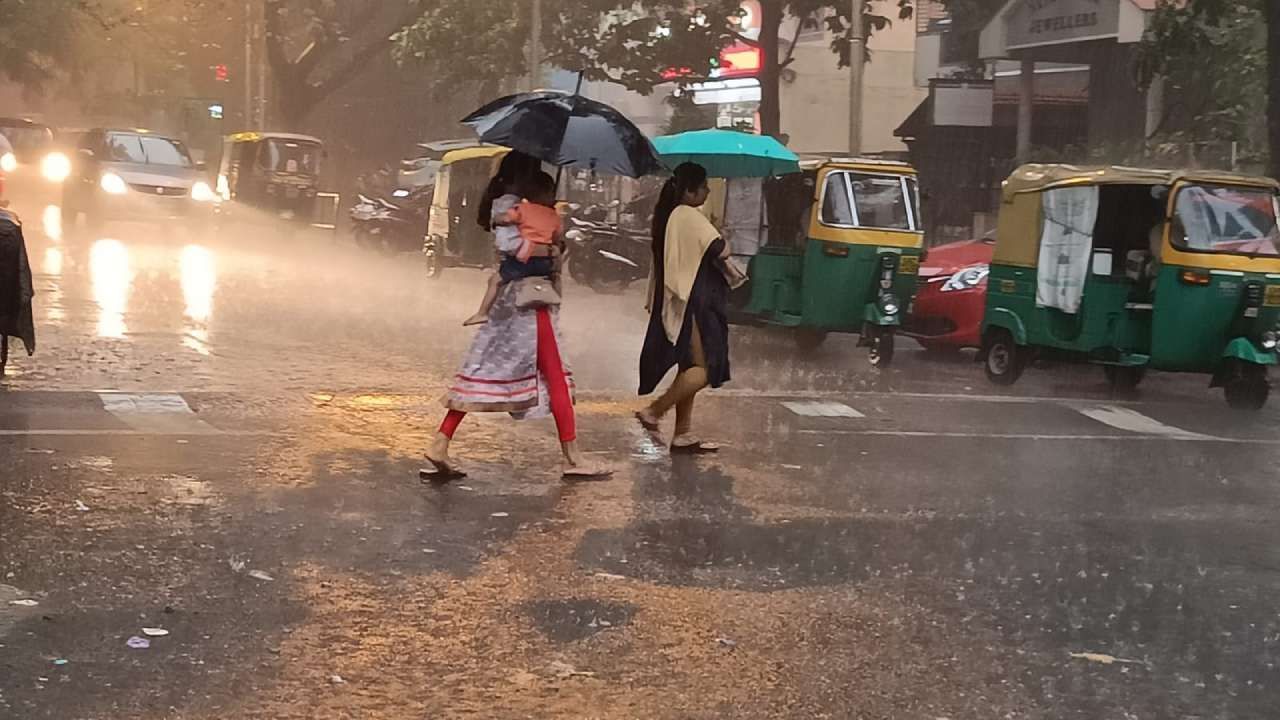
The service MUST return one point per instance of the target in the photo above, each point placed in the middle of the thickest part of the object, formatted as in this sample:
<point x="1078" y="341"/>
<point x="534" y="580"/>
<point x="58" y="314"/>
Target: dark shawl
<point x="708" y="308"/>
<point x="16" y="289"/>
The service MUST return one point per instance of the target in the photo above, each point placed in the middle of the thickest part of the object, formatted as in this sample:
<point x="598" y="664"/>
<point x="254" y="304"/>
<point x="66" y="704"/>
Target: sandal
<point x="444" y="471"/>
<point x="696" y="447"/>
<point x="587" y="472"/>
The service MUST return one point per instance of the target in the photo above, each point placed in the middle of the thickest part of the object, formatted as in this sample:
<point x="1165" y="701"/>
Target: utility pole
<point x="248" y="64"/>
<point x="260" y="38"/>
<point x="535" y="46"/>
<point x="857" y="52"/>
<point x="1026" y="108"/>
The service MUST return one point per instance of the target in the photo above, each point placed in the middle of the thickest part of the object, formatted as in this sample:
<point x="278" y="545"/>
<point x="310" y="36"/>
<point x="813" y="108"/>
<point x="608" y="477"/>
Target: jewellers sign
<point x="1035" y="23"/>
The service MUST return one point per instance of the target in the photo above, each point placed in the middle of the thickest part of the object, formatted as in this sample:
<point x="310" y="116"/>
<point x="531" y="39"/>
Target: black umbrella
<point x="568" y="131"/>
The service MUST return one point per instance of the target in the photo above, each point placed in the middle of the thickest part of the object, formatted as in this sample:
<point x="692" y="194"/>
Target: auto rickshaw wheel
<point x="880" y="346"/>
<point x="1002" y="358"/>
<point x="1247" y="387"/>
<point x="1123" y="378"/>
<point x="808" y="339"/>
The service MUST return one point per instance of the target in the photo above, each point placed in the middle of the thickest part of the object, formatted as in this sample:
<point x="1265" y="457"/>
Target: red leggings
<point x="552" y="371"/>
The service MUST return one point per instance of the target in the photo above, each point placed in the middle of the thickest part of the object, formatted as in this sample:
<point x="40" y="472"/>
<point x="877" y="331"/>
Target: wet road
<point x="908" y="544"/>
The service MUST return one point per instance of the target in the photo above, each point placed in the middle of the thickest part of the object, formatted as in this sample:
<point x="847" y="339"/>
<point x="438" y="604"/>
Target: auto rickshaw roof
<point x="813" y="161"/>
<point x="254" y="136"/>
<point x="474" y="153"/>
<point x="1038" y="177"/>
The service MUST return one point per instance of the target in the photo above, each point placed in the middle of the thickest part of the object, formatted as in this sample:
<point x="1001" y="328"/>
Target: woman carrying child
<point x="515" y="363"/>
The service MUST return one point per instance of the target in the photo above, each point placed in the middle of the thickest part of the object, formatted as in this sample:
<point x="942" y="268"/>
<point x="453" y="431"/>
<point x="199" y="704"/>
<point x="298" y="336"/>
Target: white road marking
<point x="166" y="413"/>
<point x="822" y="409"/>
<point x="1134" y="421"/>
<point x="133" y="433"/>
<point x="1037" y="436"/>
<point x="117" y="403"/>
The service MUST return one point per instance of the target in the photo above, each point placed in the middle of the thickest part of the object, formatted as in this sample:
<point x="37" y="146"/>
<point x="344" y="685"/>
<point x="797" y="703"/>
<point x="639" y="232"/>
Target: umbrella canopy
<point x="728" y="154"/>
<point x="568" y="131"/>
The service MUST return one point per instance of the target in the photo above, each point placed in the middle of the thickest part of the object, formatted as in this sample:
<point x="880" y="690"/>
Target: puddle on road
<point x="574" y="619"/>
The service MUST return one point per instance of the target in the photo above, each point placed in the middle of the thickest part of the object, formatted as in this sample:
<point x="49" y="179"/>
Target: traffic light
<point x="220" y="73"/>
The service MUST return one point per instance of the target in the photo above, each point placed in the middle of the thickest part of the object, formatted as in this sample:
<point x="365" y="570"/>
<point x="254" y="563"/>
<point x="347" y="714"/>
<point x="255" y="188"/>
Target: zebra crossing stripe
<point x="160" y="412"/>
<point x="813" y="408"/>
<point x="1135" y="422"/>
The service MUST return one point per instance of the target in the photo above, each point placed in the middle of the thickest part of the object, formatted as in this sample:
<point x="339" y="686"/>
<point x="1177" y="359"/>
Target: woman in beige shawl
<point x="688" y="302"/>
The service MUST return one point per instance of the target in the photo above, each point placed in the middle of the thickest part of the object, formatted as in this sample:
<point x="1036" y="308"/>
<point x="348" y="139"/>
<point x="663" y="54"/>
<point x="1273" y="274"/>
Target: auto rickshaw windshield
<point x="291" y="156"/>
<point x="885" y="202"/>
<point x="1224" y="219"/>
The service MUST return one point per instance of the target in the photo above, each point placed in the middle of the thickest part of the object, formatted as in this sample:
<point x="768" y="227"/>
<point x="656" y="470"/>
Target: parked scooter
<point x="605" y="257"/>
<point x="392" y="226"/>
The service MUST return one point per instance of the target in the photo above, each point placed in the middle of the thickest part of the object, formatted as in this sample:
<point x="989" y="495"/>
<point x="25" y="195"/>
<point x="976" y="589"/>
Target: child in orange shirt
<point x="540" y="242"/>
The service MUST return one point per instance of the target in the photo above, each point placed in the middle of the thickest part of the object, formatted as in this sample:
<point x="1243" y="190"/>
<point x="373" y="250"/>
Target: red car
<point x="952" y="296"/>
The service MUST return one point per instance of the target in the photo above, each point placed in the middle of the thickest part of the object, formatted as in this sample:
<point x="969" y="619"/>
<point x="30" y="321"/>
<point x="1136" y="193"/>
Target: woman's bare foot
<point x="477" y="319"/>
<point x="438" y="455"/>
<point x="577" y="466"/>
<point x="647" y="419"/>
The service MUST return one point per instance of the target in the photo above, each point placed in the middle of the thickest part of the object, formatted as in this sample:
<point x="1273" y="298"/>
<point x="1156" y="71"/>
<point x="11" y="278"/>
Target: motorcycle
<point x="392" y="226"/>
<point x="605" y="257"/>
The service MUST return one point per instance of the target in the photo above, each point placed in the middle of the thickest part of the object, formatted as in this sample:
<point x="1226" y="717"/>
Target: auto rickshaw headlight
<point x="1270" y="340"/>
<point x="8" y="163"/>
<point x="889" y="304"/>
<point x="201" y="192"/>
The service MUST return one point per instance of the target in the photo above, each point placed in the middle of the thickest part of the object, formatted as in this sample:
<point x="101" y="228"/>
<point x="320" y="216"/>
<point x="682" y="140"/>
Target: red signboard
<point x="736" y="61"/>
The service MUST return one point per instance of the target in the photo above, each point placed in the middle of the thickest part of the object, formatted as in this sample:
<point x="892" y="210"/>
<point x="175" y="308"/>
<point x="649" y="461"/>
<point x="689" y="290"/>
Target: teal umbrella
<point x="728" y="154"/>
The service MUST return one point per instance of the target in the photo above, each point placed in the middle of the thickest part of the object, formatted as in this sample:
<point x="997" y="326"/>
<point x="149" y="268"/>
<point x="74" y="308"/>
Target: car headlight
<point x="1270" y="340"/>
<point x="55" y="167"/>
<point x="967" y="279"/>
<point x="8" y="163"/>
<point x="113" y="184"/>
<point x="201" y="192"/>
<point x="889" y="304"/>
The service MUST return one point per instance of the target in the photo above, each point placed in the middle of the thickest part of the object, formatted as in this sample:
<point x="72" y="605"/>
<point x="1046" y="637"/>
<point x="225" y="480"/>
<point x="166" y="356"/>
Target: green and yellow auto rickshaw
<point x="840" y="252"/>
<point x="454" y="239"/>
<point x="1136" y="269"/>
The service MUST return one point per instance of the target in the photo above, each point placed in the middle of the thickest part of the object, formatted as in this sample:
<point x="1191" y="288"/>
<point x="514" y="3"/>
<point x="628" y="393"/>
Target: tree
<point x="622" y="42"/>
<point x="1219" y="60"/>
<point x="316" y="47"/>
<point x="38" y="37"/>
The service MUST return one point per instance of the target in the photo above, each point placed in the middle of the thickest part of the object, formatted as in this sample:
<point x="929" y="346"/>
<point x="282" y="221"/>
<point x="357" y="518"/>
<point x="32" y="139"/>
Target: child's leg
<point x="490" y="297"/>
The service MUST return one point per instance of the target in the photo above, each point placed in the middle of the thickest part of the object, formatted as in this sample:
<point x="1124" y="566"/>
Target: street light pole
<point x="857" y="51"/>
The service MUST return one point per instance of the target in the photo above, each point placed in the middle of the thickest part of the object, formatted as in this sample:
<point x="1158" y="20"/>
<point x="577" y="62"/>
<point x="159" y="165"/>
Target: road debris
<point x="726" y="642"/>
<point x="260" y="575"/>
<point x="138" y="643"/>
<point x="610" y="576"/>
<point x="500" y="515"/>
<point x="1104" y="659"/>
<point x="336" y="680"/>
<point x="81" y="506"/>
<point x="564" y="670"/>
<point x="155" y="632"/>
<point x="25" y="602"/>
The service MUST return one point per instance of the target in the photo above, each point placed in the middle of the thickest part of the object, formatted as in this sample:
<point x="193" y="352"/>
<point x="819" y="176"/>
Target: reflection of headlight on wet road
<point x="113" y="184"/>
<point x="199" y="280"/>
<point x="55" y="167"/>
<point x="52" y="222"/>
<point x="8" y="163"/>
<point x="201" y="192"/>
